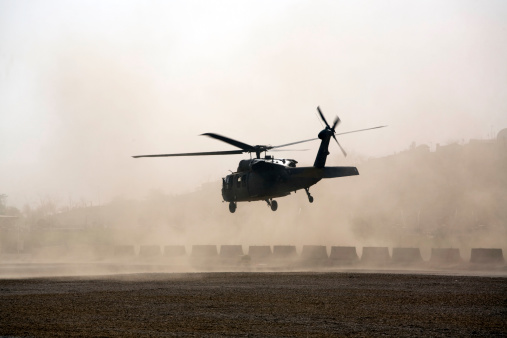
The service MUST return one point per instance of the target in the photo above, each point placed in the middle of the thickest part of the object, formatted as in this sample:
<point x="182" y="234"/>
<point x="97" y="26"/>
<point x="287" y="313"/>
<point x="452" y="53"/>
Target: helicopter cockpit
<point x="284" y="161"/>
<point x="246" y="165"/>
<point x="227" y="182"/>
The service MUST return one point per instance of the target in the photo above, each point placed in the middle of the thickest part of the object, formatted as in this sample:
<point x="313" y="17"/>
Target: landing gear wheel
<point x="310" y="197"/>
<point x="232" y="207"/>
<point x="274" y="205"/>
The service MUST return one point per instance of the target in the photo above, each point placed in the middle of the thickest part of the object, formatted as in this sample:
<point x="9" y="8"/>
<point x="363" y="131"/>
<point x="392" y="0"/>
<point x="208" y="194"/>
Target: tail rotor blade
<point x="341" y="148"/>
<point x="336" y="122"/>
<point x="322" y="117"/>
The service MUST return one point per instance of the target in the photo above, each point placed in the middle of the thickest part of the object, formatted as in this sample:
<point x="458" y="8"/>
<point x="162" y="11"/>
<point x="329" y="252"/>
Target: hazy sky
<point x="86" y="84"/>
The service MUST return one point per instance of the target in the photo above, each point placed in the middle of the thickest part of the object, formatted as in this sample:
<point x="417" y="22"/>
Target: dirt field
<point x="258" y="304"/>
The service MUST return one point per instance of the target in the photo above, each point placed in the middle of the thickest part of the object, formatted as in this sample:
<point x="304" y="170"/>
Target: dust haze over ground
<point x="415" y="199"/>
<point x="84" y="86"/>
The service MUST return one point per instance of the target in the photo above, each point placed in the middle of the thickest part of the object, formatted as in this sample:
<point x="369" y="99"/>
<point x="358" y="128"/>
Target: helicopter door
<point x="246" y="187"/>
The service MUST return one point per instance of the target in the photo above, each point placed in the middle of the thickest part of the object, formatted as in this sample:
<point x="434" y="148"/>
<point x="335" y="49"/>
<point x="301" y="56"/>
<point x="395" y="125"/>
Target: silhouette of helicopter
<point x="263" y="179"/>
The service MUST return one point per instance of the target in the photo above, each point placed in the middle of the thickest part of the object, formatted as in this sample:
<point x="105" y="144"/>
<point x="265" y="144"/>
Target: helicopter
<point x="266" y="178"/>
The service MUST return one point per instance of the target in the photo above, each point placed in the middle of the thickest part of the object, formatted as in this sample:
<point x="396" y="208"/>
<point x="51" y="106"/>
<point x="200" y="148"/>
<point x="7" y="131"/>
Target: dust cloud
<point x="452" y="197"/>
<point x="85" y="87"/>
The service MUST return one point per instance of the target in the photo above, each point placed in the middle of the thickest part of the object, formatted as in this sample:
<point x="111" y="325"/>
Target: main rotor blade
<point x="339" y="145"/>
<point x="336" y="122"/>
<point x="290" y="150"/>
<point x="355" y="131"/>
<point x="229" y="140"/>
<point x="227" y="152"/>
<point x="322" y="117"/>
<point x="313" y="139"/>
<point x="289" y="144"/>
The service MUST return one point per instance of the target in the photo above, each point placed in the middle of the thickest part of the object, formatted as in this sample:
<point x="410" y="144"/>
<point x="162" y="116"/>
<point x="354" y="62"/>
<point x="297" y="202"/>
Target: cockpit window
<point x="228" y="182"/>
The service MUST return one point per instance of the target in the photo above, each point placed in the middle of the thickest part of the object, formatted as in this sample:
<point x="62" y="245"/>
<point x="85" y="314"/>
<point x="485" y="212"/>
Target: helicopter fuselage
<point x="268" y="178"/>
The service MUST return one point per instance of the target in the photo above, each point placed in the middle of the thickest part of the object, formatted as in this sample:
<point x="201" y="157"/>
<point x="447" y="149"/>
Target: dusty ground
<point x="258" y="304"/>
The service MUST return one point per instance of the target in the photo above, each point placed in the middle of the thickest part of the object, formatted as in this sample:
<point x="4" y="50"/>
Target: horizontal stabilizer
<point x="330" y="172"/>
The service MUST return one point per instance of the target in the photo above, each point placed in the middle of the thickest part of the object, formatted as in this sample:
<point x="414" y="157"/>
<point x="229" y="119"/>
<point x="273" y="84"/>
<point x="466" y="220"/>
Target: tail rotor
<point x="331" y="130"/>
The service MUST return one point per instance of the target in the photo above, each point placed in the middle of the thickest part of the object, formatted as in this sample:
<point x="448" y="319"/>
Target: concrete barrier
<point x="259" y="254"/>
<point x="204" y="251"/>
<point x="284" y="252"/>
<point x="486" y="256"/>
<point x="103" y="251"/>
<point x="124" y="250"/>
<point x="442" y="256"/>
<point x="373" y="255"/>
<point x="52" y="253"/>
<point x="149" y="251"/>
<point x="174" y="251"/>
<point x="81" y="252"/>
<point x="231" y="251"/>
<point x="232" y="255"/>
<point x="343" y="255"/>
<point x="204" y="256"/>
<point x="314" y="255"/>
<point x="406" y="256"/>
<point x="15" y="258"/>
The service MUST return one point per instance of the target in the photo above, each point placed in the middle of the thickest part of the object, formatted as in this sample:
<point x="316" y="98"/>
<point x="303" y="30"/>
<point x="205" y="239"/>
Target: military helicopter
<point x="263" y="179"/>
